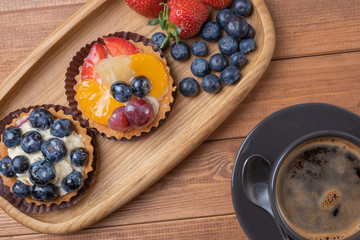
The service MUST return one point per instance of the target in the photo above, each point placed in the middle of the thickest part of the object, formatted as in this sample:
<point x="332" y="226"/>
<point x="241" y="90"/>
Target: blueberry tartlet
<point x="45" y="156"/>
<point x="120" y="85"/>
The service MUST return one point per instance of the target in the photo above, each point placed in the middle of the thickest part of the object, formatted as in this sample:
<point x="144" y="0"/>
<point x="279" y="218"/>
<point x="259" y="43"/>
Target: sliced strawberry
<point x="119" y="46"/>
<point x="21" y="121"/>
<point x="97" y="52"/>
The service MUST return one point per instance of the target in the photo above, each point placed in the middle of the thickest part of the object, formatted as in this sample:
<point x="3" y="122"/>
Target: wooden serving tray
<point x="125" y="169"/>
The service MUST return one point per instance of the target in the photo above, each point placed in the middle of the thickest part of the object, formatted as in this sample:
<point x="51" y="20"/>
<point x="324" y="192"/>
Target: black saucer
<point x="269" y="139"/>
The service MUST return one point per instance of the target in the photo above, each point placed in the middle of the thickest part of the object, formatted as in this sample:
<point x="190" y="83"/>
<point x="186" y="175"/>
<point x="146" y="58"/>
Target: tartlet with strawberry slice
<point x="120" y="85"/>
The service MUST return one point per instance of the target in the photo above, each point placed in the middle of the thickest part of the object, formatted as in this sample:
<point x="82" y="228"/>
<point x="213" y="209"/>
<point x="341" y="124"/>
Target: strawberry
<point x="97" y="52"/>
<point x="218" y="4"/>
<point x="182" y="18"/>
<point x="119" y="46"/>
<point x="146" y="8"/>
<point x="189" y="15"/>
<point x="114" y="45"/>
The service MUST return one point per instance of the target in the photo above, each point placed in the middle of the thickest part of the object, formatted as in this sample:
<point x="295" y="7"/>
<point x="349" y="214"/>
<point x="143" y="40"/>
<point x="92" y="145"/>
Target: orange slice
<point x="96" y="101"/>
<point x="146" y="64"/>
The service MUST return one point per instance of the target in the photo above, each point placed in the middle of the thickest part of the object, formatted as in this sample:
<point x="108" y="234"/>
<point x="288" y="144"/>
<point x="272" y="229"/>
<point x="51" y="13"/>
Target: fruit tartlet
<point x="120" y="85"/>
<point x="46" y="156"/>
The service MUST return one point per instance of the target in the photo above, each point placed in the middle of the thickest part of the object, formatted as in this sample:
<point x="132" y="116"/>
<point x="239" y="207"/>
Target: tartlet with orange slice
<point x="120" y="85"/>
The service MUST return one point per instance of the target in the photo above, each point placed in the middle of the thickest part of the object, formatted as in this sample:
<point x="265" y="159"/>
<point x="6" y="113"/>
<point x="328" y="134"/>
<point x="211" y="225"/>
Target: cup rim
<point x="275" y="171"/>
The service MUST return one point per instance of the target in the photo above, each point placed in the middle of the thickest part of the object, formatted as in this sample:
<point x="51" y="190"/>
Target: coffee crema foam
<point x="318" y="189"/>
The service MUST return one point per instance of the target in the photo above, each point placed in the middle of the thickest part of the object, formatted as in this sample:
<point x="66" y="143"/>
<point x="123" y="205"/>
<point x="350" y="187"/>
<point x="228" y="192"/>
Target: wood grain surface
<point x="127" y="168"/>
<point x="316" y="60"/>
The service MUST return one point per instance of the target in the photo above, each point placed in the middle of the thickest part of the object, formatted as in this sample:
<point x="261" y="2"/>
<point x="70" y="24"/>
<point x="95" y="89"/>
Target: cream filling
<point x="62" y="167"/>
<point x="155" y="104"/>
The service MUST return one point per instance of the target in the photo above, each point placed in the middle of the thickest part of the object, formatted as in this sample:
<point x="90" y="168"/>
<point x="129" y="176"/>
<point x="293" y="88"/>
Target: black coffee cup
<point x="310" y="138"/>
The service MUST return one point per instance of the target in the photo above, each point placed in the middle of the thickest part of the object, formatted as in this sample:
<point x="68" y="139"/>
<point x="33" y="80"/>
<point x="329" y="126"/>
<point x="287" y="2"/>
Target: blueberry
<point x="236" y="27"/>
<point x="159" y="38"/>
<point x="210" y="31"/>
<point x="228" y="45"/>
<point x="20" y="189"/>
<point x="121" y="91"/>
<point x="20" y="164"/>
<point x="31" y="142"/>
<point x="140" y="86"/>
<point x="72" y="182"/>
<point x="200" y="67"/>
<point x="189" y="87"/>
<point x="199" y="48"/>
<point x="242" y="7"/>
<point x="79" y="157"/>
<point x="41" y="119"/>
<point x="218" y="62"/>
<point x="62" y="128"/>
<point x="230" y="75"/>
<point x="247" y="45"/>
<point x="238" y="59"/>
<point x="6" y="168"/>
<point x="41" y="172"/>
<point x="45" y="193"/>
<point x="250" y="33"/>
<point x="211" y="83"/>
<point x="180" y="51"/>
<point x="12" y="136"/>
<point x="223" y="16"/>
<point x="53" y="149"/>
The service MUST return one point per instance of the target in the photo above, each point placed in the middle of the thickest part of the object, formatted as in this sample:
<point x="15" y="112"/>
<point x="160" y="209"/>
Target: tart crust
<point x="87" y="145"/>
<point x="164" y="104"/>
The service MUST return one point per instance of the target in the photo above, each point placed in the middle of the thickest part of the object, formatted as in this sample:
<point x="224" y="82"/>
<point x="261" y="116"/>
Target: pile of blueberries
<point x="42" y="173"/>
<point x="234" y="45"/>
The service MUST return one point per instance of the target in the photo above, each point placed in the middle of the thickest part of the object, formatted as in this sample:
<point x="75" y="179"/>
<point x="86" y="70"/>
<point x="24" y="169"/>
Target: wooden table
<point x="317" y="59"/>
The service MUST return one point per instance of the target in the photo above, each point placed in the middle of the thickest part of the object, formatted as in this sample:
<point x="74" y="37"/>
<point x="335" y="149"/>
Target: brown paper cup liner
<point x="22" y="204"/>
<point x="71" y="81"/>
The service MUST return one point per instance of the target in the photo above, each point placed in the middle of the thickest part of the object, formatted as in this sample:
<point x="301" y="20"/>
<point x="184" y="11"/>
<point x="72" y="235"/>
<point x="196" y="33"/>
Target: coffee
<point x="318" y="189"/>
